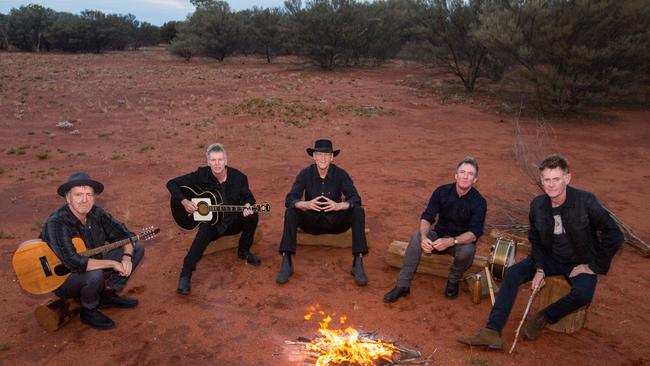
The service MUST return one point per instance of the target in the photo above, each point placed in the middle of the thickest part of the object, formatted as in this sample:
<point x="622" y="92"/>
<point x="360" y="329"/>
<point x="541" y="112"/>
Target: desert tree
<point x="449" y="27"/>
<point x="145" y="34"/>
<point x="186" y="44"/>
<point x="215" y="27"/>
<point x="267" y="31"/>
<point x="67" y="33"/>
<point x="4" y="26"/>
<point x="572" y="51"/>
<point x="27" y="27"/>
<point x="168" y="31"/>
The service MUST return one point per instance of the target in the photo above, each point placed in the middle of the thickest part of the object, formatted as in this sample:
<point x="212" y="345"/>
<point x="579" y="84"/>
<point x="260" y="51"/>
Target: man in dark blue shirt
<point x="461" y="215"/>
<point x="323" y="200"/>
<point x="232" y="185"/>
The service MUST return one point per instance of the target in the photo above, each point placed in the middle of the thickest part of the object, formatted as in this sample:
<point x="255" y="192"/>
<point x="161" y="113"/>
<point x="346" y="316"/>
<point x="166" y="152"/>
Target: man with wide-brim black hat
<point x="323" y="200"/>
<point x="94" y="280"/>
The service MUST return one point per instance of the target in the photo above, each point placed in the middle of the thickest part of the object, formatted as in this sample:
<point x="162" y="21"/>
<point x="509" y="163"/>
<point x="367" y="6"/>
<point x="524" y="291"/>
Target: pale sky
<point x="155" y="12"/>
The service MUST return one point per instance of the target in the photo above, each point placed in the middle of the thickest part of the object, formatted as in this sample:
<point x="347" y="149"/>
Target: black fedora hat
<point x="324" y="146"/>
<point x="79" y="179"/>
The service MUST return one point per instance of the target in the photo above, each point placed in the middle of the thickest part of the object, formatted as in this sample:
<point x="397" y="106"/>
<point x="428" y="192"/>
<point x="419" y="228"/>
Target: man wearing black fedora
<point x="94" y="280"/>
<point x="323" y="200"/>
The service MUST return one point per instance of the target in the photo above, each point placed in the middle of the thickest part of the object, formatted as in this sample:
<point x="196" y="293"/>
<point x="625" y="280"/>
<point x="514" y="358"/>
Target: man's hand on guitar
<point x="247" y="211"/>
<point x="190" y="207"/>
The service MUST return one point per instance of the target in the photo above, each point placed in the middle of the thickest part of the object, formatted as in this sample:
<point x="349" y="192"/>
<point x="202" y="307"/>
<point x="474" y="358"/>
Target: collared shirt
<point x="63" y="225"/>
<point x="234" y="190"/>
<point x="337" y="185"/>
<point x="456" y="214"/>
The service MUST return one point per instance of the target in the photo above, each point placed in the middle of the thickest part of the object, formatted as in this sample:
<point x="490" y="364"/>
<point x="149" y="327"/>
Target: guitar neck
<point x="107" y="247"/>
<point x="232" y="208"/>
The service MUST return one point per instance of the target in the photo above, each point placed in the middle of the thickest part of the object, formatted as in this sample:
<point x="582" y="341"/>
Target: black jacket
<point x="589" y="227"/>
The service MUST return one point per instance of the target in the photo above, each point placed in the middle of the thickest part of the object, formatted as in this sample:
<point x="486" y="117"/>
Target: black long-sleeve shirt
<point x="63" y="225"/>
<point x="234" y="191"/>
<point x="337" y="185"/>
<point x="456" y="214"/>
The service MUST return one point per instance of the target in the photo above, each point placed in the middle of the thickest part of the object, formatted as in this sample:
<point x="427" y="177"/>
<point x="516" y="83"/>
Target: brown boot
<point x="486" y="337"/>
<point x="533" y="326"/>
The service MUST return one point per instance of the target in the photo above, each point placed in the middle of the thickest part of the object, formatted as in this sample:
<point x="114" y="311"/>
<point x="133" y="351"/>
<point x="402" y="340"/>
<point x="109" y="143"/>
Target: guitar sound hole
<point x="202" y="208"/>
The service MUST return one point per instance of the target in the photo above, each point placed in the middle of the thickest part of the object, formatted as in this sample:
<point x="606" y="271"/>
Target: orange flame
<point x="338" y="347"/>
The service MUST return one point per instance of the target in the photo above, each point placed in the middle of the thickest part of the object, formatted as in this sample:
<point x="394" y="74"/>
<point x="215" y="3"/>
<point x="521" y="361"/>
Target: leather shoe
<point x="533" y="327"/>
<point x="396" y="293"/>
<point x="451" y="291"/>
<point x="250" y="258"/>
<point x="184" y="285"/>
<point x="286" y="269"/>
<point x="111" y="299"/>
<point x="95" y="319"/>
<point x="486" y="337"/>
<point x="357" y="271"/>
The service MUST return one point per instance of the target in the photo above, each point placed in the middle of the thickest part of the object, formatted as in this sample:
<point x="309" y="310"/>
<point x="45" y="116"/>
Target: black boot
<point x="184" y="284"/>
<point x="357" y="270"/>
<point x="286" y="269"/>
<point x="95" y="319"/>
<point x="109" y="298"/>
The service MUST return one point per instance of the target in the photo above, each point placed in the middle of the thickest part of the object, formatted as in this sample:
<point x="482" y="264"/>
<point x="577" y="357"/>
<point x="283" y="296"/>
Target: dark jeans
<point x="87" y="286"/>
<point x="463" y="257"/>
<point x="207" y="233"/>
<point x="316" y="223"/>
<point x="582" y="291"/>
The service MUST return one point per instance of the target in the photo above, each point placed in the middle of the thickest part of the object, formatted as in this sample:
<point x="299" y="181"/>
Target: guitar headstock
<point x="263" y="207"/>
<point x="149" y="232"/>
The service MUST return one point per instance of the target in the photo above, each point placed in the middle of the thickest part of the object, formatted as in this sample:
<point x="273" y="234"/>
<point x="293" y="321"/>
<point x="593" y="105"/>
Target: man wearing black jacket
<point x="232" y="185"/>
<point x="323" y="200"/>
<point x="571" y="235"/>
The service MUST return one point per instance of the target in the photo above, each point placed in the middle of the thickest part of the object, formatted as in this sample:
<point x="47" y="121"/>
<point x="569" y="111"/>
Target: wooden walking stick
<point x="488" y="277"/>
<point x="530" y="301"/>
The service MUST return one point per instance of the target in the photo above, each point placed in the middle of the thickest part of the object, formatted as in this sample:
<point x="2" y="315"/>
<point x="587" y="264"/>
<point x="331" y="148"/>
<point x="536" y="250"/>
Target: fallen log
<point x="437" y="265"/>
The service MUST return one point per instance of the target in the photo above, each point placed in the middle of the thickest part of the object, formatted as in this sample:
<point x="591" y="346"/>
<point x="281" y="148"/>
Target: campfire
<point x="350" y="347"/>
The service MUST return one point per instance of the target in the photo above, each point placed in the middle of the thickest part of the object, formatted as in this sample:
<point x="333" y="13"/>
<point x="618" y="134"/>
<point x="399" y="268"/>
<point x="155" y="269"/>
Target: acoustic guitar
<point x="209" y="208"/>
<point x="40" y="271"/>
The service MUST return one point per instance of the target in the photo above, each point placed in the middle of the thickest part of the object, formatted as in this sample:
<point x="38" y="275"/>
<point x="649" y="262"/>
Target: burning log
<point x="350" y="347"/>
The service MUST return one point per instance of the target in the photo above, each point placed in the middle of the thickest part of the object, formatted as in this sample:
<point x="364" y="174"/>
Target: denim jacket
<point x="589" y="227"/>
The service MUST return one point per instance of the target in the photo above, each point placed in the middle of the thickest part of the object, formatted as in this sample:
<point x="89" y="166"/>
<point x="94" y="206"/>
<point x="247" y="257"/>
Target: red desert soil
<point x="144" y="117"/>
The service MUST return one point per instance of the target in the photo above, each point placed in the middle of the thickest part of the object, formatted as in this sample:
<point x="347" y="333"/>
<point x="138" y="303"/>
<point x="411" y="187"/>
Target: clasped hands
<point x="322" y="204"/>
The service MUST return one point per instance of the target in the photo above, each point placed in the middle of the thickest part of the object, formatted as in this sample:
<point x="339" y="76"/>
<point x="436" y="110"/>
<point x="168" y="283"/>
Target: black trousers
<point x="87" y="286"/>
<point x="316" y="223"/>
<point x="207" y="233"/>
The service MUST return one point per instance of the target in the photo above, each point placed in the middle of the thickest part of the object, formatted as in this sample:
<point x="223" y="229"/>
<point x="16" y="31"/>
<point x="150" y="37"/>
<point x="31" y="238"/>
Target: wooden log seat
<point x="56" y="312"/>
<point x="437" y="265"/>
<point x="342" y="240"/>
<point x="557" y="287"/>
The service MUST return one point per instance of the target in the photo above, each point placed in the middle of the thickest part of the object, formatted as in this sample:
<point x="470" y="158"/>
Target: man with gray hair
<point x="232" y="186"/>
<point x="460" y="209"/>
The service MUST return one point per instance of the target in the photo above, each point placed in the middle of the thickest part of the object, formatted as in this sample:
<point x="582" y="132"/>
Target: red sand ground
<point x="144" y="117"/>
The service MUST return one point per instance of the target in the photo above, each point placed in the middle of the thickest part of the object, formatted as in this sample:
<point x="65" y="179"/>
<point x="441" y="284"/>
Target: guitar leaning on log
<point x="209" y="208"/>
<point x="40" y="271"/>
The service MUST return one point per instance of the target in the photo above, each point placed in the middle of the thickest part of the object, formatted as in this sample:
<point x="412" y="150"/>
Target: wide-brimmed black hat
<point x="322" y="146"/>
<point x="79" y="179"/>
